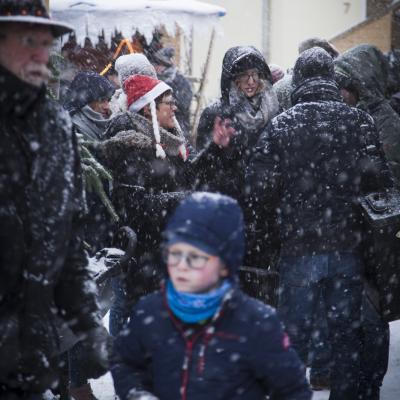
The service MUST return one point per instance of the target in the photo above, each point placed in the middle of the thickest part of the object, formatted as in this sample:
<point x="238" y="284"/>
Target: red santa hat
<point x="142" y="90"/>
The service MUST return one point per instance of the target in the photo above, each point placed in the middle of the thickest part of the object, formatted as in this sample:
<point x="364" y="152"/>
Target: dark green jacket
<point x="364" y="69"/>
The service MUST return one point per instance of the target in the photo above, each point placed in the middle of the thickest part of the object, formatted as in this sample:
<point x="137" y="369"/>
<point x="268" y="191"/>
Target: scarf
<point x="195" y="307"/>
<point x="316" y="89"/>
<point x="254" y="113"/>
<point x="90" y="123"/>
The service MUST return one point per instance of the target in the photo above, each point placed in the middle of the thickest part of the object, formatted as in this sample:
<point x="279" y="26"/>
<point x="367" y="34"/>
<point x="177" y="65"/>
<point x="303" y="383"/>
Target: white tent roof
<point x="128" y="15"/>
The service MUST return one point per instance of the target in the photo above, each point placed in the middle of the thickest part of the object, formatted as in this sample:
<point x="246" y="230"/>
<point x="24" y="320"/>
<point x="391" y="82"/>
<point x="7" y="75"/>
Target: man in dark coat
<point x="44" y="282"/>
<point x="87" y="100"/>
<point x="310" y="167"/>
<point x="363" y="77"/>
<point x="364" y="71"/>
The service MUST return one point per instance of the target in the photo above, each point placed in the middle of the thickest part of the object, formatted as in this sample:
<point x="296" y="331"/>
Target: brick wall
<point x="377" y="32"/>
<point x="376" y="6"/>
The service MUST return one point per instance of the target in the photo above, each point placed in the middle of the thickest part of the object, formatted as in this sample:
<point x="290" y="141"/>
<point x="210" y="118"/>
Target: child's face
<point x="192" y="270"/>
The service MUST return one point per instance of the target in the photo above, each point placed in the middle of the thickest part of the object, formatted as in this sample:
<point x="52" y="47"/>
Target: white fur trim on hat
<point x="157" y="90"/>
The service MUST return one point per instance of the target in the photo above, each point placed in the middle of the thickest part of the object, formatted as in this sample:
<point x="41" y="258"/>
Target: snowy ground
<point x="103" y="387"/>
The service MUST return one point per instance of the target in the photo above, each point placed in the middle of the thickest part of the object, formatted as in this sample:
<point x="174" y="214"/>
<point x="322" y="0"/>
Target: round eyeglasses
<point x="170" y="104"/>
<point x="246" y="76"/>
<point x="195" y="261"/>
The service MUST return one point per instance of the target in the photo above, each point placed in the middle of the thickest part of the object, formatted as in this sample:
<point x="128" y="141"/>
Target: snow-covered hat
<point x="31" y="12"/>
<point x="142" y="90"/>
<point x="133" y="64"/>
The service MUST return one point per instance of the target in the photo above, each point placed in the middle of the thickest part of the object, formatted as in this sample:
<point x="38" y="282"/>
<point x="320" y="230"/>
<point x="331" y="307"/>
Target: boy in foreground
<point x="200" y="336"/>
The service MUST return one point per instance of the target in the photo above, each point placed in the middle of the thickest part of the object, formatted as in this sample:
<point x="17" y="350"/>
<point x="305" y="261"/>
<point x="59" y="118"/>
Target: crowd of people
<point x="273" y="181"/>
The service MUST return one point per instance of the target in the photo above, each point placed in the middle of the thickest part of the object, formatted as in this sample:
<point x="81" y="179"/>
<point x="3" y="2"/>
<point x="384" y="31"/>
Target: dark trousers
<point x="337" y="278"/>
<point x="375" y="337"/>
<point x="320" y="352"/>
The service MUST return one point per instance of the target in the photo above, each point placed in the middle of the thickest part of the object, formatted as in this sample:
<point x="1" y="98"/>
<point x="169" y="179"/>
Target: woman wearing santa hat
<point x="150" y="161"/>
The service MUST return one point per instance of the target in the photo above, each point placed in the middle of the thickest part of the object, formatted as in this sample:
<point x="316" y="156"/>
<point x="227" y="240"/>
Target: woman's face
<point x="248" y="81"/>
<point x="166" y="112"/>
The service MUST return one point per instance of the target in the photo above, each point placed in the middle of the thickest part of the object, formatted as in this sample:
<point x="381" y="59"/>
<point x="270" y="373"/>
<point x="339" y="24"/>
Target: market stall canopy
<point x="127" y="16"/>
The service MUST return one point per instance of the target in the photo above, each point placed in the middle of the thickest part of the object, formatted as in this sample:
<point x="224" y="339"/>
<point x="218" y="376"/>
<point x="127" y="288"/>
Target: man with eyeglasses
<point x="310" y="167"/>
<point x="44" y="281"/>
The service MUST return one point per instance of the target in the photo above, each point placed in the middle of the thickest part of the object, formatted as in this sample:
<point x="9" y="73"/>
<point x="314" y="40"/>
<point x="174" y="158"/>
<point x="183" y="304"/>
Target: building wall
<point x="378" y="33"/>
<point x="242" y="25"/>
<point x="275" y="27"/>
<point x="292" y="21"/>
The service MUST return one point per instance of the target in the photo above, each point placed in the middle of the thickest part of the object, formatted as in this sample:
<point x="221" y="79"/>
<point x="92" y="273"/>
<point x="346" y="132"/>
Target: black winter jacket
<point x="223" y="107"/>
<point x="242" y="354"/>
<point x="310" y="168"/>
<point x="223" y="169"/>
<point x="43" y="268"/>
<point x="146" y="188"/>
<point x="370" y="81"/>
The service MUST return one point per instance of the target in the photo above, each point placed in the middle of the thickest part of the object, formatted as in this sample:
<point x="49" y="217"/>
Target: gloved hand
<point x="222" y="131"/>
<point x="95" y="346"/>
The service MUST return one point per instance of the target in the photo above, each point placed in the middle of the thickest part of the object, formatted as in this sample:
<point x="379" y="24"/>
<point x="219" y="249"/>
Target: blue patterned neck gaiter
<point x="194" y="307"/>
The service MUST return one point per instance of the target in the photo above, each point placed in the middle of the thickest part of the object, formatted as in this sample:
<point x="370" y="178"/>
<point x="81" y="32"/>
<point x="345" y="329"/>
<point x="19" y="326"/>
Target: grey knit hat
<point x="133" y="64"/>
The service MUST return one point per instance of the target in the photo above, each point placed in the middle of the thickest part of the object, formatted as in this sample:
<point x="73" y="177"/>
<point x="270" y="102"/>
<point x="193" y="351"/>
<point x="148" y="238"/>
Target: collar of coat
<point x="316" y="89"/>
<point x="139" y="133"/>
<point x="17" y="96"/>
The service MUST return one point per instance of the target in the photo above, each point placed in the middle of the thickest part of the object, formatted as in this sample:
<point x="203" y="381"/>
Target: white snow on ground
<point x="104" y="390"/>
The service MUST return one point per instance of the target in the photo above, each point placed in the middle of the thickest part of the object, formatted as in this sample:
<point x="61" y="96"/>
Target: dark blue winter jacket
<point x="242" y="354"/>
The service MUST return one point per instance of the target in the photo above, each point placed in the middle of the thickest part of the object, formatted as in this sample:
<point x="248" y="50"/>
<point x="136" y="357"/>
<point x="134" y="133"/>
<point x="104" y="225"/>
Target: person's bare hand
<point x="222" y="131"/>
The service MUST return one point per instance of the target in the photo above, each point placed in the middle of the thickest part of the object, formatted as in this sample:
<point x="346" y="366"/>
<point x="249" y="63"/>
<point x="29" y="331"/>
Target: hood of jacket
<point x="313" y="77"/>
<point x="235" y="56"/>
<point x="365" y="69"/>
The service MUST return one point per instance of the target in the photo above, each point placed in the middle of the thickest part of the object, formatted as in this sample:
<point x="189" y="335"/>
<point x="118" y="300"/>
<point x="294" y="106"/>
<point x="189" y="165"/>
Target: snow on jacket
<point x="311" y="164"/>
<point x="248" y="134"/>
<point x="365" y="69"/>
<point x="44" y="276"/>
<point x="242" y="354"/>
<point x="283" y="89"/>
<point x="145" y="187"/>
<point x="223" y="170"/>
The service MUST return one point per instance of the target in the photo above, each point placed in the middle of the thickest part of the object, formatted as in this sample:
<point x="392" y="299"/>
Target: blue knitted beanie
<point x="85" y="88"/>
<point x="211" y="222"/>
